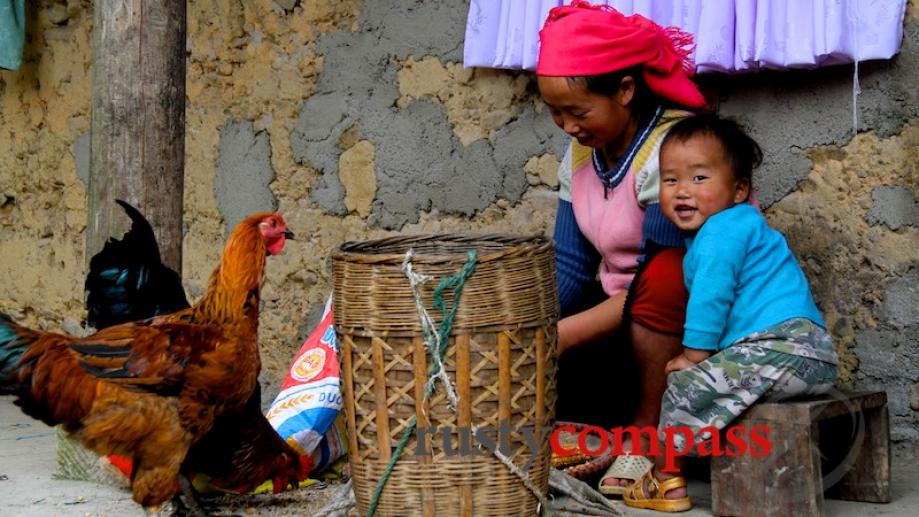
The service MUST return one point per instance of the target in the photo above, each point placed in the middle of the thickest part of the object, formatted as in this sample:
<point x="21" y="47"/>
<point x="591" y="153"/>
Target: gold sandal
<point x="653" y="499"/>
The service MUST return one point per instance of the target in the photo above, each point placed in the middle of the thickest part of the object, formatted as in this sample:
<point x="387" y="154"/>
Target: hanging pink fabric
<point x="730" y="35"/>
<point x="604" y="40"/>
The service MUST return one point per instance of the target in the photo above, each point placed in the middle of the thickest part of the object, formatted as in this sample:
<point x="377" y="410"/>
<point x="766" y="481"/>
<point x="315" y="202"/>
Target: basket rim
<point x="516" y="244"/>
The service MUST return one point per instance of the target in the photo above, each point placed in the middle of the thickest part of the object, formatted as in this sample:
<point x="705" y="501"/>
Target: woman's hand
<point x="595" y="323"/>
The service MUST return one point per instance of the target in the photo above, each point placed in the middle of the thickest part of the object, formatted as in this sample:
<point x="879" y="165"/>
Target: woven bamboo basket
<point x="500" y="358"/>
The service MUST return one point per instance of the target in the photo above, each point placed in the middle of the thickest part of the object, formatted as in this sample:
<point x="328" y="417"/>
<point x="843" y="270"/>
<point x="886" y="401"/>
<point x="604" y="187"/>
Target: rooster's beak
<point x="289" y="235"/>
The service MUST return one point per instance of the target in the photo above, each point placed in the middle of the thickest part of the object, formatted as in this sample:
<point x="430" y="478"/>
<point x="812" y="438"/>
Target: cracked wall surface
<point x="357" y="120"/>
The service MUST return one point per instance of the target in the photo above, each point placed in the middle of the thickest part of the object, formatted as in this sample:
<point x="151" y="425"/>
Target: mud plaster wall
<point x="357" y="120"/>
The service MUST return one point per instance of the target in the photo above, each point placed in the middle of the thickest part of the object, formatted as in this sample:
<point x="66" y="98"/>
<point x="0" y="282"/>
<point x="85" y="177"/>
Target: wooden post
<point x="138" y="121"/>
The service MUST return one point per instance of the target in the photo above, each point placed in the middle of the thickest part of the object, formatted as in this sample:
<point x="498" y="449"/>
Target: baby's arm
<point x="712" y="268"/>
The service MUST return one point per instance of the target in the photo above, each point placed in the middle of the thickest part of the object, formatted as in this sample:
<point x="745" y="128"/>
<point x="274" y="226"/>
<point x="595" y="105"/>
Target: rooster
<point x="127" y="281"/>
<point x="154" y="390"/>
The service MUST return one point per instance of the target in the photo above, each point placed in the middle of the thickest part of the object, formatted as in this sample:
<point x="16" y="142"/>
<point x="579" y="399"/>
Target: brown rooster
<point x="151" y="390"/>
<point x="127" y="281"/>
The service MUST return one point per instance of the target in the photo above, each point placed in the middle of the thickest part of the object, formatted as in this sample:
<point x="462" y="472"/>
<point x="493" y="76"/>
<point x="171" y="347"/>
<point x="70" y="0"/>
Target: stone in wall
<point x="542" y="170"/>
<point x="358" y="177"/>
<point x="914" y="397"/>
<point x="825" y="219"/>
<point x="477" y="101"/>
<point x="893" y="206"/>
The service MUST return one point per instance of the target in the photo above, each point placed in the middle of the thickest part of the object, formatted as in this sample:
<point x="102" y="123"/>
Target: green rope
<point x="457" y="282"/>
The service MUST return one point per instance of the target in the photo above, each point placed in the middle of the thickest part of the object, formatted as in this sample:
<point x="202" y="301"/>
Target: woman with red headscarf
<point x="616" y="84"/>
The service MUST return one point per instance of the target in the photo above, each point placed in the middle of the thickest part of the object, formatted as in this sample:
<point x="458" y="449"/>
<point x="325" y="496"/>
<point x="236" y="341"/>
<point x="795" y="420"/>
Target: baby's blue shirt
<point x="742" y="278"/>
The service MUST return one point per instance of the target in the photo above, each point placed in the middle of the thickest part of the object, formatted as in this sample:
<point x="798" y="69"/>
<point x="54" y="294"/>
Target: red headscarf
<point x="583" y="39"/>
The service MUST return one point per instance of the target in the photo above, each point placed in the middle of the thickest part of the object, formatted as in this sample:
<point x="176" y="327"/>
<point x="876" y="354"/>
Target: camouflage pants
<point x="717" y="390"/>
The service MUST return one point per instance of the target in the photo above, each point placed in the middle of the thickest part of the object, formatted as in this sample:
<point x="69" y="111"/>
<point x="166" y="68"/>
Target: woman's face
<point x="595" y="120"/>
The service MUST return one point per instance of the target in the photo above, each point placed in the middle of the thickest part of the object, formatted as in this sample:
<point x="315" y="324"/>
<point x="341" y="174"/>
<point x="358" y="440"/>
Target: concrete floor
<point x="27" y="461"/>
<point x="904" y="497"/>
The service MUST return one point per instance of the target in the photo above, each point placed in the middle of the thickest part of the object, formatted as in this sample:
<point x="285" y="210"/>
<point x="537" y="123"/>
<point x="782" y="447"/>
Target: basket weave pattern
<point x="500" y="357"/>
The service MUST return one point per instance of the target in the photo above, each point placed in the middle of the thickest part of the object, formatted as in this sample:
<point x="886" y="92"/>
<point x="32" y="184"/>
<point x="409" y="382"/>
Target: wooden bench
<point x="839" y="444"/>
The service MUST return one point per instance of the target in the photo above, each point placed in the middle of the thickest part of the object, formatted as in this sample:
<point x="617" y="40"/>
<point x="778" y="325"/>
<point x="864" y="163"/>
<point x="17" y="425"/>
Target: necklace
<point x="612" y="177"/>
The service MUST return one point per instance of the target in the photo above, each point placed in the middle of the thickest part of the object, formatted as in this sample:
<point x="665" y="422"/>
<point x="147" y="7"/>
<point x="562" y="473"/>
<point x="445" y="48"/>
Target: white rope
<point x="856" y="89"/>
<point x="524" y="477"/>
<point x="432" y="343"/>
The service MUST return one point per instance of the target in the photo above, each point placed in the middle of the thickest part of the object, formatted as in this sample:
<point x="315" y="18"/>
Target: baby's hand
<point x="680" y="362"/>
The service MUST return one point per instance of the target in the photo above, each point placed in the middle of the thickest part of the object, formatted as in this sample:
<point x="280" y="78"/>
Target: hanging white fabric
<point x="731" y="35"/>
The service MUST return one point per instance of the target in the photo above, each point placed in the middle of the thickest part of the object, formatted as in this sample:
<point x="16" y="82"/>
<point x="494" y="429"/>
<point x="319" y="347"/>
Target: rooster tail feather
<point x="42" y="373"/>
<point x="127" y="280"/>
<point x="140" y="236"/>
<point x="14" y="341"/>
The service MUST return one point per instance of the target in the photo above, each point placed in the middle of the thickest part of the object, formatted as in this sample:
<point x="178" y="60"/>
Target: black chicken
<point x="127" y="281"/>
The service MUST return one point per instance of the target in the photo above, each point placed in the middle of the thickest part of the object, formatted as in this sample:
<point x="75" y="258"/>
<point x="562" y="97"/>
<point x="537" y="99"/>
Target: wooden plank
<point x="818" y="409"/>
<point x="780" y="412"/>
<point x="855" y="446"/>
<point x="138" y="121"/>
<point x="541" y="375"/>
<point x="865" y="466"/>
<point x="464" y="416"/>
<point x="384" y="441"/>
<point x="729" y="498"/>
<point x="823" y="409"/>
<point x="504" y="378"/>
<point x="347" y="372"/>
<point x="420" y="364"/>
<point x="785" y="482"/>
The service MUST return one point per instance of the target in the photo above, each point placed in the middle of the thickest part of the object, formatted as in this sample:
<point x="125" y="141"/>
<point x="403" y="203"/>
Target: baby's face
<point x="697" y="181"/>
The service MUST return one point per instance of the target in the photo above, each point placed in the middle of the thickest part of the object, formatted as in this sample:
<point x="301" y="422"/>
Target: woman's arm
<point x="589" y="325"/>
<point x="577" y="263"/>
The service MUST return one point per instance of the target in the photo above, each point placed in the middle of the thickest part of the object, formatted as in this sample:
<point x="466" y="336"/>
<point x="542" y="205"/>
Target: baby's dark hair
<point x="741" y="151"/>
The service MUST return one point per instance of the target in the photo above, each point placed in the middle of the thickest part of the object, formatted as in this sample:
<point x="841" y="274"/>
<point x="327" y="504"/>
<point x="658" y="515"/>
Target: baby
<point x="752" y="330"/>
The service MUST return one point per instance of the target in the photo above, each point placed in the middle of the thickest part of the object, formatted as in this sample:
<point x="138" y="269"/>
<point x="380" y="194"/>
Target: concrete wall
<point x="357" y="120"/>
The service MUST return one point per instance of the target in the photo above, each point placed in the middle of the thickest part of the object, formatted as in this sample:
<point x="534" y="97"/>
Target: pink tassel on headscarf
<point x="683" y="45"/>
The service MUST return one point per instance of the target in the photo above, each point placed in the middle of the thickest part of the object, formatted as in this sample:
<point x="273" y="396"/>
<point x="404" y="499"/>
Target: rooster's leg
<point x="190" y="507"/>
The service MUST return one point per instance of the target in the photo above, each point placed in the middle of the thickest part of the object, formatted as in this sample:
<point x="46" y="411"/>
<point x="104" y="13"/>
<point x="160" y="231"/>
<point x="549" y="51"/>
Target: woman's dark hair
<point x="741" y="151"/>
<point x="609" y="84"/>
